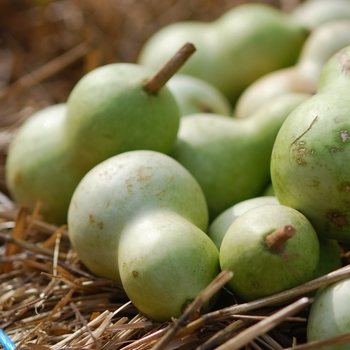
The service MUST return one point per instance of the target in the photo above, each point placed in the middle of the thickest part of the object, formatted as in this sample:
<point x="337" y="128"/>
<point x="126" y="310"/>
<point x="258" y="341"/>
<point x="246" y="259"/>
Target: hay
<point x="48" y="299"/>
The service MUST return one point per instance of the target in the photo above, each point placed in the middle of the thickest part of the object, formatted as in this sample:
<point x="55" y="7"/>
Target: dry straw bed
<point x="48" y="299"/>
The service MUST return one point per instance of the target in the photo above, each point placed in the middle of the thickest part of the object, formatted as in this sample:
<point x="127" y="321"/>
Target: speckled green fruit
<point x="312" y="152"/>
<point x="140" y="218"/>
<point x="260" y="271"/>
<point x="329" y="314"/>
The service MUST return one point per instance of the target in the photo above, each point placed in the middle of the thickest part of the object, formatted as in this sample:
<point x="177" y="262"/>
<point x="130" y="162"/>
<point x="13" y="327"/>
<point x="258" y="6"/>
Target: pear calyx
<point x="155" y="83"/>
<point x="275" y="241"/>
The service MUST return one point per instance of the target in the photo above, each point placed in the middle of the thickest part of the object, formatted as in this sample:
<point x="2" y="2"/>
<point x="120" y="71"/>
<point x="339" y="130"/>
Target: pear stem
<point x="155" y="83"/>
<point x="275" y="241"/>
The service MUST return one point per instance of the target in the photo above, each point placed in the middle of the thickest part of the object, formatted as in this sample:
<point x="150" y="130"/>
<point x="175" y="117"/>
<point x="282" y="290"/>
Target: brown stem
<point x="155" y="83"/>
<point x="275" y="241"/>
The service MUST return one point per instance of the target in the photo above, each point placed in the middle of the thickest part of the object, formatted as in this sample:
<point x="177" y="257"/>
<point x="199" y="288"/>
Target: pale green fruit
<point x="311" y="153"/>
<point x="194" y="95"/>
<point x="230" y="158"/>
<point x="220" y="225"/>
<point x="322" y="43"/>
<point x="39" y="166"/>
<point x="110" y="106"/>
<point x="260" y="271"/>
<point x="313" y="13"/>
<point x="140" y="218"/>
<point x="172" y="261"/>
<point x="329" y="314"/>
<point x="108" y="112"/>
<point x="228" y="47"/>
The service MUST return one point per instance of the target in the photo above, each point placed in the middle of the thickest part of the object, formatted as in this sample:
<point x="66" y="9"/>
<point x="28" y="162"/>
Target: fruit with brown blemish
<point x="312" y="152"/>
<point x="269" y="248"/>
<point x="151" y="217"/>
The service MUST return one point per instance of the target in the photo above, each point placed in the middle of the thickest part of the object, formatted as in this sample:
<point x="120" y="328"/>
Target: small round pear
<point x="270" y="248"/>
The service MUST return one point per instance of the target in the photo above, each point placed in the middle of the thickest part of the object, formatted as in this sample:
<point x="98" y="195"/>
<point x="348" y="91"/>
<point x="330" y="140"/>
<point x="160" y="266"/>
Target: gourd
<point x="140" y="219"/>
<point x="323" y="42"/>
<point x="269" y="248"/>
<point x="329" y="314"/>
<point x="195" y="95"/>
<point x="218" y="228"/>
<point x="112" y="109"/>
<point x="230" y="158"/>
<point x="312" y="151"/>
<point x="234" y="50"/>
<point x="314" y="13"/>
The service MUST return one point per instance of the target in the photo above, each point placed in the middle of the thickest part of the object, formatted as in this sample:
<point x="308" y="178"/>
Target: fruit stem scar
<point x="275" y="241"/>
<point x="155" y="83"/>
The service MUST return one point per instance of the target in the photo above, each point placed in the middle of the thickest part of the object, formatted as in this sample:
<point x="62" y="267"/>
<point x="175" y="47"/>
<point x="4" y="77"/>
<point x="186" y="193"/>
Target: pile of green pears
<point x="236" y="161"/>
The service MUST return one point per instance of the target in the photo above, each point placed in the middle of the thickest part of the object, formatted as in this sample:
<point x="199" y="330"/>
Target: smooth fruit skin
<point x="195" y="95"/>
<point x="243" y="44"/>
<point x="230" y="158"/>
<point x="110" y="106"/>
<point x="108" y="112"/>
<point x="329" y="314"/>
<point x="170" y="263"/>
<point x="36" y="156"/>
<point x="140" y="218"/>
<point x="217" y="229"/>
<point x="323" y="42"/>
<point x="311" y="153"/>
<point x="258" y="272"/>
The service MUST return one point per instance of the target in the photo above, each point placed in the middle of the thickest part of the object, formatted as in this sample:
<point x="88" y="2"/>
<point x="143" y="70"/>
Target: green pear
<point x="140" y="218"/>
<point x="112" y="109"/>
<point x="269" y="248"/>
<point x="230" y="158"/>
<point x="312" y="150"/>
<point x="313" y="13"/>
<point x="195" y="95"/>
<point x="39" y="166"/>
<point x="234" y="50"/>
<point x="111" y="106"/>
<point x="323" y="42"/>
<point x="220" y="225"/>
<point x="329" y="314"/>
